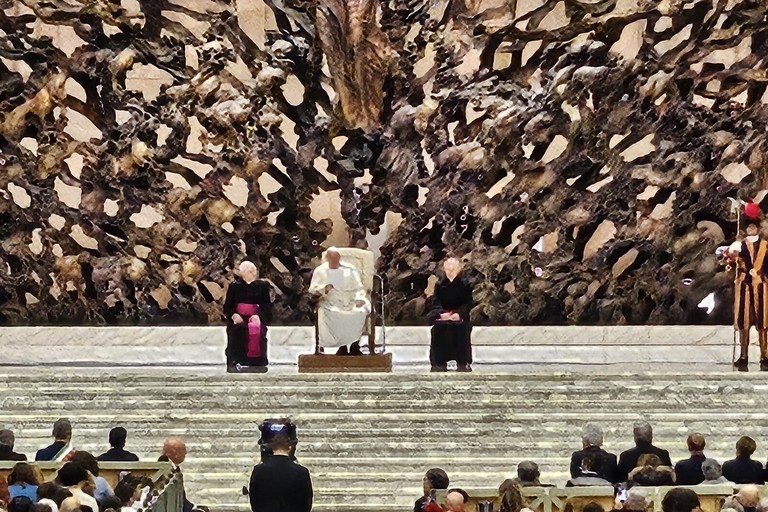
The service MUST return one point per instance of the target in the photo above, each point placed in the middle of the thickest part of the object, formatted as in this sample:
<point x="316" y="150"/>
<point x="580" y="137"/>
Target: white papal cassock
<point x="339" y="320"/>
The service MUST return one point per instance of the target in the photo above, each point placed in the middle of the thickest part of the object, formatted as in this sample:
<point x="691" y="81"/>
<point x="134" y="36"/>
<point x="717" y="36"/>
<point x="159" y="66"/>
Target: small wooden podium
<point x="322" y="363"/>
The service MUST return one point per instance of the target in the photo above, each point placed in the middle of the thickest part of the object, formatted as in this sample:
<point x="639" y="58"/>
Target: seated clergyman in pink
<point x="248" y="309"/>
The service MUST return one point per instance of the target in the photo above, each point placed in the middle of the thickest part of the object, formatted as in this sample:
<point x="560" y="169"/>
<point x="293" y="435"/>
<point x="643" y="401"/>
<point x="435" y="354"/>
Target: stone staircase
<point x="368" y="439"/>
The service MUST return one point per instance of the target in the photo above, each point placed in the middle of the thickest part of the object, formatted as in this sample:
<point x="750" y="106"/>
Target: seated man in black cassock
<point x="248" y="309"/>
<point x="449" y="316"/>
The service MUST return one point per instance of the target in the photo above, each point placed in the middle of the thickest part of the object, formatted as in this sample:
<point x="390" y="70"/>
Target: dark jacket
<point x="49" y="452"/>
<point x="278" y="484"/>
<point x="6" y="453"/>
<point x="688" y="471"/>
<point x="744" y="470"/>
<point x="628" y="459"/>
<point x="653" y="477"/>
<point x="118" y="455"/>
<point x="608" y="467"/>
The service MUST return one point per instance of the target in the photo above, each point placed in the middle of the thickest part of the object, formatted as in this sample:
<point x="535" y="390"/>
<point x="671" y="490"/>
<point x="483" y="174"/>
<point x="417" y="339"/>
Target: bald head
<point x="452" y="267"/>
<point x="248" y="271"/>
<point x="454" y="502"/>
<point x="70" y="505"/>
<point x="749" y="495"/>
<point x="175" y="449"/>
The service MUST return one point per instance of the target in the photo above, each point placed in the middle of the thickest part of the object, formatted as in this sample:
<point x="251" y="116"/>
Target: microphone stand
<point x="383" y="315"/>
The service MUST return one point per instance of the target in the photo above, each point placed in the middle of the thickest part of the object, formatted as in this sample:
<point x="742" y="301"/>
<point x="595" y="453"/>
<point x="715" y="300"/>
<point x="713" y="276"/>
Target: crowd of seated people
<point x="77" y="487"/>
<point x="649" y="465"/>
<point x="62" y="445"/>
<point x="643" y="465"/>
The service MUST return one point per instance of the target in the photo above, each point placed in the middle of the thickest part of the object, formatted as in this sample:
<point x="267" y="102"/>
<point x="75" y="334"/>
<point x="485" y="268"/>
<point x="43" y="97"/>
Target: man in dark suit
<point x="62" y="435"/>
<point x="592" y="441"/>
<point x="117" y="437"/>
<point x="742" y="469"/>
<point x="279" y="484"/>
<point x="7" y="440"/>
<point x="688" y="471"/>
<point x="643" y="434"/>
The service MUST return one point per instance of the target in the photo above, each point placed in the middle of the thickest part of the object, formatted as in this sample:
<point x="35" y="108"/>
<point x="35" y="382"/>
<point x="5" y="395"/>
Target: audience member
<point x="680" y="500"/>
<point x="46" y="506"/>
<point x="590" y="471"/>
<point x="592" y="442"/>
<point x="650" y="472"/>
<point x="62" y="438"/>
<point x="464" y="493"/>
<point x="54" y="492"/>
<point x="593" y="507"/>
<point x="49" y="504"/>
<point x="117" y="452"/>
<point x="71" y="505"/>
<point x="643" y="434"/>
<point x="110" y="503"/>
<point x="128" y="491"/>
<point x="742" y="469"/>
<point x="455" y="502"/>
<point x="528" y="475"/>
<point x="713" y="473"/>
<point x="635" y="502"/>
<point x="175" y="452"/>
<point x="75" y="477"/>
<point x="749" y="497"/>
<point x="731" y="503"/>
<point x="7" y="440"/>
<point x="434" y="479"/>
<point x="102" y="488"/>
<point x="279" y="484"/>
<point x="23" y="482"/>
<point x="20" y="504"/>
<point x="4" y="497"/>
<point x="511" y="497"/>
<point x="688" y="471"/>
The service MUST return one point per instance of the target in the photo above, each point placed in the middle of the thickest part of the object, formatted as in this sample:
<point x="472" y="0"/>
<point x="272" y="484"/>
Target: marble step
<point x="369" y="438"/>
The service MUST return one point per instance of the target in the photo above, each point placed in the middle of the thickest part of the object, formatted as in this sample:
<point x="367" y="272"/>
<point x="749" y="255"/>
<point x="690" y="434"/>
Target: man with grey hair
<point x="248" y="311"/>
<point x="343" y="303"/>
<point x="643" y="434"/>
<point x="713" y="473"/>
<point x="635" y="502"/>
<point x="7" y="440"/>
<point x="592" y="442"/>
<point x="749" y="497"/>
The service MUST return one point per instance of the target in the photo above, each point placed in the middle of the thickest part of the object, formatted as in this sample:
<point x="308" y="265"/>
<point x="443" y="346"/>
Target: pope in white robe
<point x="343" y="302"/>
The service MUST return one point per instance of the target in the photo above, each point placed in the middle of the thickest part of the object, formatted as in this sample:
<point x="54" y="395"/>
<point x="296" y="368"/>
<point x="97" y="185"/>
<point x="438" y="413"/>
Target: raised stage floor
<point x="517" y="349"/>
<point x="369" y="438"/>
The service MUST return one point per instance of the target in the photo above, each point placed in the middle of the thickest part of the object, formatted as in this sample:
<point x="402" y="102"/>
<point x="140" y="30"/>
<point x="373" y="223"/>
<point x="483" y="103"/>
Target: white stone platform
<point x="629" y="347"/>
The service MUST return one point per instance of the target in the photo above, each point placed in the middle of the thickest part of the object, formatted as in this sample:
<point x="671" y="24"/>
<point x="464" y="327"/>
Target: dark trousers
<point x="450" y="342"/>
<point x="237" y="346"/>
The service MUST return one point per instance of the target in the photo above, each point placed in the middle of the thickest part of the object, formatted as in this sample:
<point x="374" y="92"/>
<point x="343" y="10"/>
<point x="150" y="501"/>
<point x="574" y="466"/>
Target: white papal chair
<point x="364" y="261"/>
